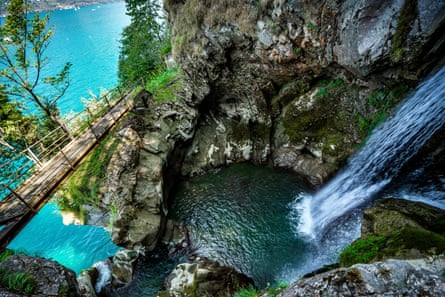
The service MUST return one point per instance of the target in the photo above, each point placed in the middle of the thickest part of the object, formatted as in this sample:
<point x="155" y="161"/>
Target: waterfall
<point x="390" y="146"/>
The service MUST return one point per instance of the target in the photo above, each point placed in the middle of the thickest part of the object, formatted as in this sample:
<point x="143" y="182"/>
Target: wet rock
<point x="87" y="279"/>
<point x="389" y="278"/>
<point x="204" y="278"/>
<point x="123" y="265"/>
<point x="49" y="277"/>
<point x="394" y="215"/>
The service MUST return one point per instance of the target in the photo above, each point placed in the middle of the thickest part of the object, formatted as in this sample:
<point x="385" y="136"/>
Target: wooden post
<point x="66" y="158"/>
<point x="21" y="199"/>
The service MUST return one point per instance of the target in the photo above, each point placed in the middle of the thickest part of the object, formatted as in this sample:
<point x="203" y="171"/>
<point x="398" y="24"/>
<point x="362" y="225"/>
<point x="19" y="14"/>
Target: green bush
<point x="21" y="282"/>
<point x="164" y="84"/>
<point x="362" y="250"/>
<point x="248" y="292"/>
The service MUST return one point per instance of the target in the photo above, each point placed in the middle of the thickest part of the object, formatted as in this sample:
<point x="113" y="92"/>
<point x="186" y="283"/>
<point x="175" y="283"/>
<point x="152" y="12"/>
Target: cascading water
<point x="390" y="146"/>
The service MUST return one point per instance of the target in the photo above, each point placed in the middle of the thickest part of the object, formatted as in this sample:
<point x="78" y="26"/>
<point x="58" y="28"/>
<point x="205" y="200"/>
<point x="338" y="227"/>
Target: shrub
<point x="363" y="250"/>
<point x="248" y="292"/>
<point x="21" y="282"/>
<point x="164" y="84"/>
<point x="6" y="254"/>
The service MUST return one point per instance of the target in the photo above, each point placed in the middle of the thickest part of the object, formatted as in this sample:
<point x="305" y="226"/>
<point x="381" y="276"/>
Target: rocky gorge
<point x="295" y="84"/>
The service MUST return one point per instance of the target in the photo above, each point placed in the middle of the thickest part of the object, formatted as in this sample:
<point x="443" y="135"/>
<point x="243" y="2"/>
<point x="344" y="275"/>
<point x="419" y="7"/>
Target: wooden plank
<point x="40" y="186"/>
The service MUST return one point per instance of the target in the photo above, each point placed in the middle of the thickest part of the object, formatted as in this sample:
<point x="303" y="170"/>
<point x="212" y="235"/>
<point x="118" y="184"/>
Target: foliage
<point x="21" y="282"/>
<point x="405" y="22"/>
<point x="16" y="129"/>
<point x="23" y="41"/>
<point x="249" y="292"/>
<point x="6" y="254"/>
<point x="382" y="101"/>
<point x="276" y="288"/>
<point x="164" y="83"/>
<point x="142" y="41"/>
<point x="311" y="26"/>
<point x="83" y="186"/>
<point x="270" y="290"/>
<point x="362" y="250"/>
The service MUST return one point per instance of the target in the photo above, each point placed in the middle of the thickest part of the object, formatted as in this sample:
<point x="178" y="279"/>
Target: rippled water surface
<point x="239" y="216"/>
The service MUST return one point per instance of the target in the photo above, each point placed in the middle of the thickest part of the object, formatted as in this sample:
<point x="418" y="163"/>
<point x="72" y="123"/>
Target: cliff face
<point x="296" y="81"/>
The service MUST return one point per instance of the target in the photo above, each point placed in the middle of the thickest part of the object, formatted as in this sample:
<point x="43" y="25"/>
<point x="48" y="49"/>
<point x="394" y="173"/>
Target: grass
<point x="270" y="290"/>
<point x="362" y="250"/>
<point x="248" y="292"/>
<point x="6" y="254"/>
<point x="164" y="84"/>
<point x="21" y="282"/>
<point x="83" y="186"/>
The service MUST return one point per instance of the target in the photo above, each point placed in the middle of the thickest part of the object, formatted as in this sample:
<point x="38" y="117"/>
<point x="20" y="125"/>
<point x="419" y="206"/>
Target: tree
<point x="23" y="41"/>
<point x="16" y="131"/>
<point x="142" y="40"/>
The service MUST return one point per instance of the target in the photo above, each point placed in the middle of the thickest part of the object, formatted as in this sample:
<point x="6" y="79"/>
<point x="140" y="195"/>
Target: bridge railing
<point x="19" y="166"/>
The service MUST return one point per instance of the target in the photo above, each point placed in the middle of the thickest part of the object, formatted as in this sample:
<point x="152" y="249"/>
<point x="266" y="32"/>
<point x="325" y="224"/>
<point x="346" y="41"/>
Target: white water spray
<point x="390" y="146"/>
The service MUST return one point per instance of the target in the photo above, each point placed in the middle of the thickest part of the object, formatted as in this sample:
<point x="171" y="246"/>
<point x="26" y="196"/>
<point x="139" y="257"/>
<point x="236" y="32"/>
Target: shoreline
<point x="35" y="8"/>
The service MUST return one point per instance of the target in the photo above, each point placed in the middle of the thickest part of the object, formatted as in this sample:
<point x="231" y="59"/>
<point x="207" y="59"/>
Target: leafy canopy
<point x="23" y="41"/>
<point x="142" y="41"/>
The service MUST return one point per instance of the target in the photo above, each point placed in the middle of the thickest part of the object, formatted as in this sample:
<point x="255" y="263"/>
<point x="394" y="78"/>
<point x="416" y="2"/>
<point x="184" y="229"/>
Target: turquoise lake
<point x="89" y="39"/>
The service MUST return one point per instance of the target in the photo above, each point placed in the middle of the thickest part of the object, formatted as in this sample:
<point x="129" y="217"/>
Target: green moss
<point x="363" y="250"/>
<point x="240" y="132"/>
<point x="195" y="15"/>
<point x="405" y="22"/>
<point x="260" y="130"/>
<point x="422" y="240"/>
<point x="398" y="244"/>
<point x="382" y="102"/>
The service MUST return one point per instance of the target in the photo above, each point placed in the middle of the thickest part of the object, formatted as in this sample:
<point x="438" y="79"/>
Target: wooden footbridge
<point x="20" y="206"/>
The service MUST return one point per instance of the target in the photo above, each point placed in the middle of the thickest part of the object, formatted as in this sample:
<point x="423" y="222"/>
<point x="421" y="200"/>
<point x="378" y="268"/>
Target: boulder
<point x="389" y="278"/>
<point x="394" y="215"/>
<point x="123" y="265"/>
<point x="48" y="277"/>
<point x="204" y="278"/>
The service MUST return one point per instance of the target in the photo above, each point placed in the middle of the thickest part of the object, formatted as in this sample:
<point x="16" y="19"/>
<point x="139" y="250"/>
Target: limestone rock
<point x="51" y="279"/>
<point x="204" y="278"/>
<point x="389" y="278"/>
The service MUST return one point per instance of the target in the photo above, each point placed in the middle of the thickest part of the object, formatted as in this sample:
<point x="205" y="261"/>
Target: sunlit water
<point x="77" y="247"/>
<point x="89" y="39"/>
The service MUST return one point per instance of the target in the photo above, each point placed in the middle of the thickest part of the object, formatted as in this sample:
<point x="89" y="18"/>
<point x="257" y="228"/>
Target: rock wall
<point x="47" y="278"/>
<point x="389" y="278"/>
<point x="255" y="68"/>
<point x="295" y="83"/>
